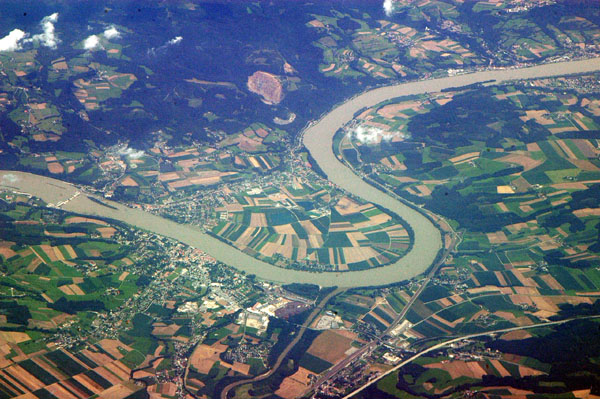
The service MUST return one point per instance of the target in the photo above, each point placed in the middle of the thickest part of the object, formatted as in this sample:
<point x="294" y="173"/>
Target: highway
<point x="317" y="138"/>
<point x="284" y="353"/>
<point x="445" y="343"/>
<point x="332" y="372"/>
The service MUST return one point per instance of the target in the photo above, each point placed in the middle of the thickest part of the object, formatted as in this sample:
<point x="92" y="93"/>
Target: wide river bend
<point x="318" y="139"/>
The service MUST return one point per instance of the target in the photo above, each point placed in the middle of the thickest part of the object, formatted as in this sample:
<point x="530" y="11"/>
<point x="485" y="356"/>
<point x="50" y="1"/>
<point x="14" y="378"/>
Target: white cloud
<point x="388" y="7"/>
<point x="175" y="40"/>
<point x="48" y="37"/>
<point x="92" y="43"/>
<point x="154" y="51"/>
<point x="131" y="153"/>
<point x="10" y="178"/>
<point x="12" y="41"/>
<point x="96" y="42"/>
<point x="112" y="33"/>
<point x="372" y="135"/>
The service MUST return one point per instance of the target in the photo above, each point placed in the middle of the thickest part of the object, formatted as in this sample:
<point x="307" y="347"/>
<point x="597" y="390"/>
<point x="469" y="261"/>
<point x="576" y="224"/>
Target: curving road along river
<point x="318" y="139"/>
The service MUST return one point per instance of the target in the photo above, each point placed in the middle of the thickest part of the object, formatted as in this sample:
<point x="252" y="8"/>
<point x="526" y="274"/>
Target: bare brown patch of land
<point x="64" y="235"/>
<point x="294" y="386"/>
<point x="464" y="157"/>
<point x="522" y="159"/>
<point x="129" y="182"/>
<point x="106" y="232"/>
<point x="55" y="168"/>
<point x="111" y="346"/>
<point x="584" y="164"/>
<point x="515" y="335"/>
<point x="525" y="371"/>
<point x="258" y="220"/>
<point x="330" y="346"/>
<point x="162" y="329"/>
<point x="587" y="149"/>
<point x="5" y="249"/>
<point x="459" y="368"/>
<point x="497" y="238"/>
<point x="267" y="86"/>
<point x="119" y="391"/>
<point x="392" y="110"/>
<point x="13" y="337"/>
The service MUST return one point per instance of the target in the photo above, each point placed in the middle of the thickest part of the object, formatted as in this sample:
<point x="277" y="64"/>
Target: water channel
<point x="318" y="139"/>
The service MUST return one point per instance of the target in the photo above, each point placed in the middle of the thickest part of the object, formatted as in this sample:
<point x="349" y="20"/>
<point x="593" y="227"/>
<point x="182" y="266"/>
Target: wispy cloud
<point x="92" y="43"/>
<point x="98" y="41"/>
<point x="157" y="50"/>
<point x="48" y="37"/>
<point x="10" y="178"/>
<point x="16" y="38"/>
<point x="388" y="7"/>
<point x="175" y="40"/>
<point x="12" y="41"/>
<point x="372" y="135"/>
<point x="131" y="153"/>
<point x="112" y="33"/>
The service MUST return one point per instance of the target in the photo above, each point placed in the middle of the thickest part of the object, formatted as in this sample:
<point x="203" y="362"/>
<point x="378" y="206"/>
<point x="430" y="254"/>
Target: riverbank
<point x="318" y="138"/>
<point x="55" y="191"/>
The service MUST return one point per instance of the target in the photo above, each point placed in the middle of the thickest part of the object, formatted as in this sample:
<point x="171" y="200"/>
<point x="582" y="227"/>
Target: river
<point x="318" y="139"/>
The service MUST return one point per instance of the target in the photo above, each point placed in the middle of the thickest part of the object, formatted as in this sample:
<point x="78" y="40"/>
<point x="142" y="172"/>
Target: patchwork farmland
<point x="304" y="224"/>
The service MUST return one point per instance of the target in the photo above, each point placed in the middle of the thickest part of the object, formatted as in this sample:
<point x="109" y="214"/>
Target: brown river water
<point x="318" y="139"/>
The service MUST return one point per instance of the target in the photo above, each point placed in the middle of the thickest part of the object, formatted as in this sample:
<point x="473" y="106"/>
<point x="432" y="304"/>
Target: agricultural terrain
<point x="520" y="185"/>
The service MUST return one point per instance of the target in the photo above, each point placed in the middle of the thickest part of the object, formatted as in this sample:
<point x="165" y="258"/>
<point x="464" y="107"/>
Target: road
<point x="284" y="353"/>
<point x="332" y="372"/>
<point x="445" y="343"/>
<point x="317" y="138"/>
